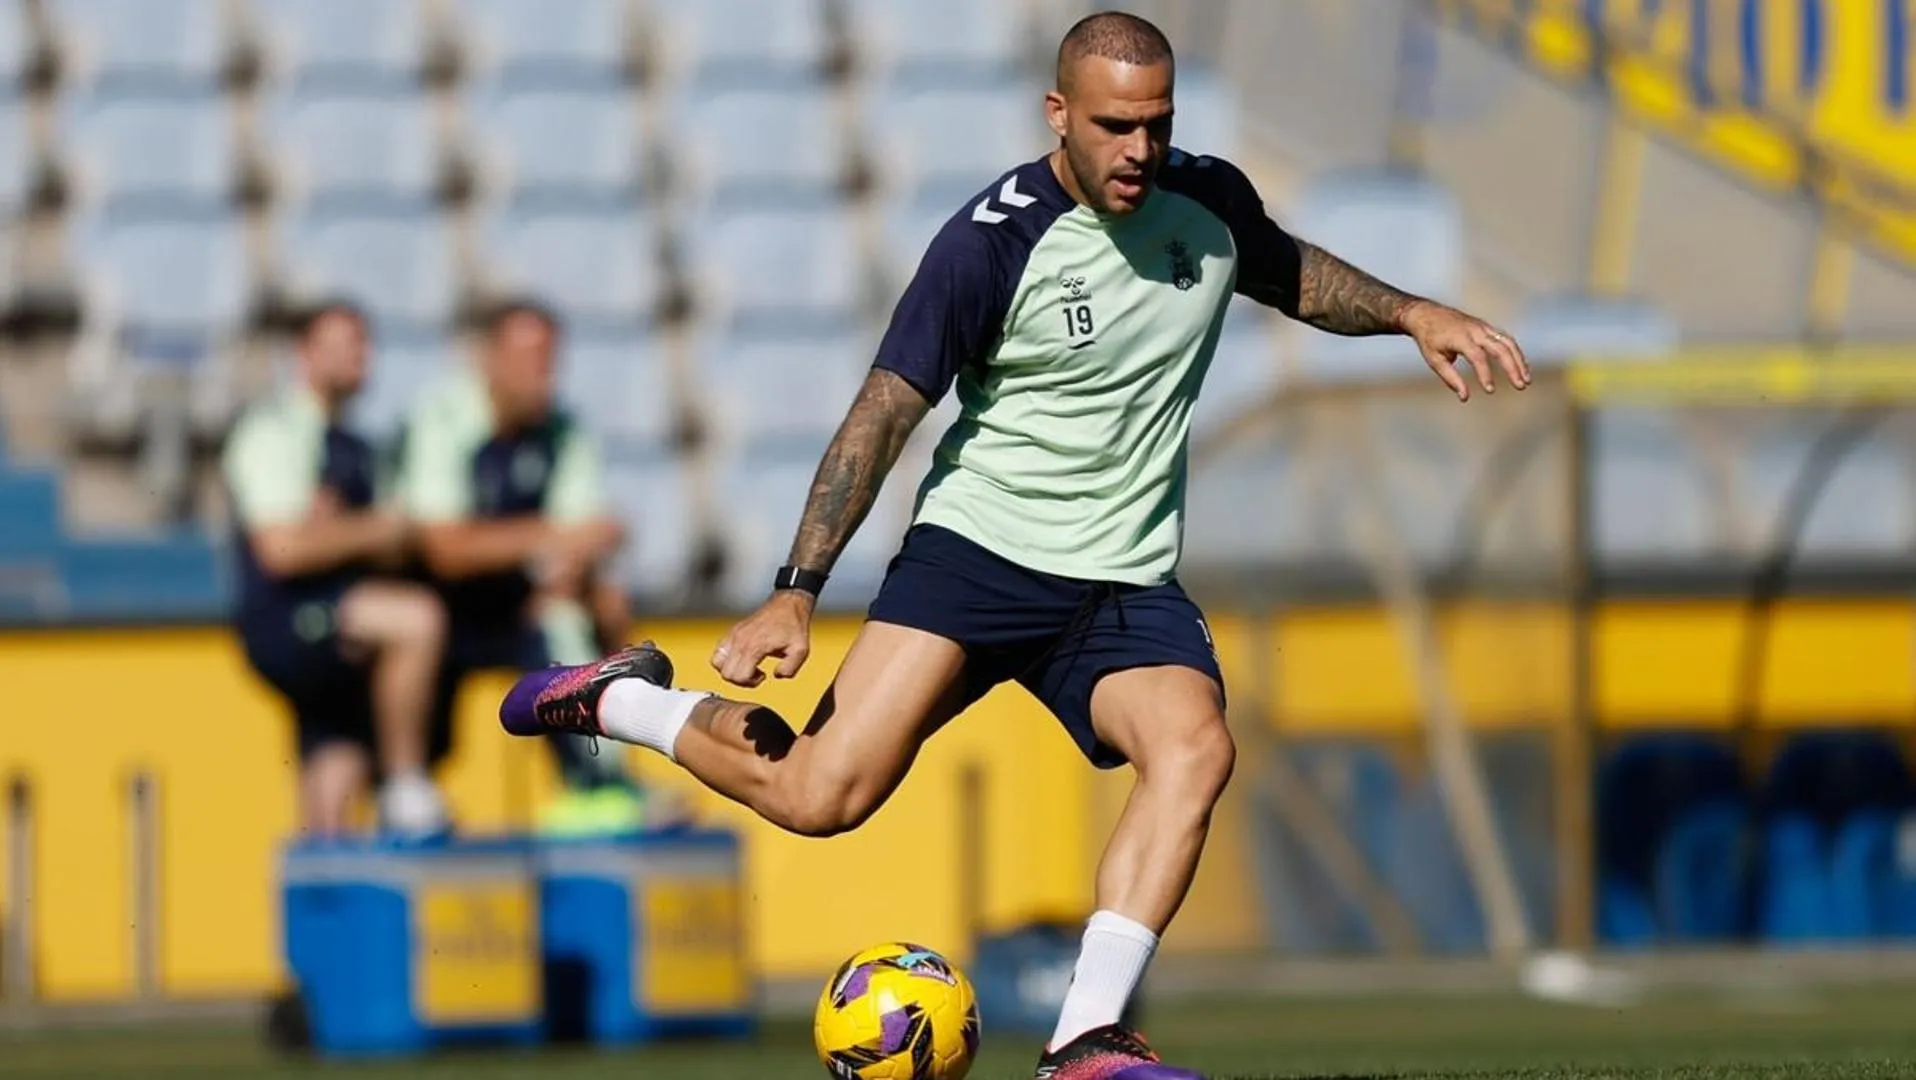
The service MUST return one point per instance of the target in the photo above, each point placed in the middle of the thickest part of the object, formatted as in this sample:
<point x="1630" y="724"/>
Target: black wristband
<point x="797" y="577"/>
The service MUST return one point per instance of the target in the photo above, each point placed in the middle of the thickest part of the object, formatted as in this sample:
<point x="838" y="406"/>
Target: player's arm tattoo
<point x="1335" y="296"/>
<point x="868" y="443"/>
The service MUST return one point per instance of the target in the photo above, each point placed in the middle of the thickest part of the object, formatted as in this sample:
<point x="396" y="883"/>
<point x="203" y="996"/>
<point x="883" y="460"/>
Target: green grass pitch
<point x="1831" y="1035"/>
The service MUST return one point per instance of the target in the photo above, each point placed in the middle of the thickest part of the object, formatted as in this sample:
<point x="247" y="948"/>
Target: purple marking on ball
<point x="857" y="983"/>
<point x="896" y="1026"/>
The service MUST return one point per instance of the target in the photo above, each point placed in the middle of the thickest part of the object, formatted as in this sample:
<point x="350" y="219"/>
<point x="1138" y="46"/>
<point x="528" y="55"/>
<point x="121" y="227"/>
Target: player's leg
<point x="332" y="775"/>
<point x="403" y="628"/>
<point x="1143" y="687"/>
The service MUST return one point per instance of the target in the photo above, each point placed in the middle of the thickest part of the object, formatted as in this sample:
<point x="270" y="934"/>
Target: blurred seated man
<point x="355" y="654"/>
<point x="515" y="530"/>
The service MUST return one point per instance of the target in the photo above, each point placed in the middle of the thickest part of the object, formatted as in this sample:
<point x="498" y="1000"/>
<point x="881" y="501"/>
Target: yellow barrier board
<point x="1779" y="376"/>
<point x="478" y="953"/>
<point x="691" y="952"/>
<point x="1814" y="94"/>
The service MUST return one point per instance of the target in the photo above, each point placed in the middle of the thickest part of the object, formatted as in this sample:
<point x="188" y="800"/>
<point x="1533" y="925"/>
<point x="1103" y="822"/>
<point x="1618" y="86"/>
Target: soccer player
<point x="354" y="655"/>
<point x="514" y="529"/>
<point x="1074" y="304"/>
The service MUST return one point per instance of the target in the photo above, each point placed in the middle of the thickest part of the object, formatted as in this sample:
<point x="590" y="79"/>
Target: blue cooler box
<point x="644" y="937"/>
<point x="399" y="950"/>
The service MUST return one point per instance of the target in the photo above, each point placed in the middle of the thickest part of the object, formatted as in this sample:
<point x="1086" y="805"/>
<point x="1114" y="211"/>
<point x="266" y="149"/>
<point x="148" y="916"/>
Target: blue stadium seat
<point x="910" y="220"/>
<point x="371" y="145"/>
<point x="982" y="38"/>
<point x="653" y="497"/>
<point x="597" y="265"/>
<point x="1669" y="807"/>
<point x="779" y="270"/>
<point x="1244" y="370"/>
<point x="29" y="513"/>
<point x="149" y="41"/>
<point x="740" y="40"/>
<point x="1649" y="488"/>
<point x="402" y="366"/>
<point x="17" y="156"/>
<point x="1794" y="897"/>
<point x="536" y="38"/>
<point x="171" y="577"/>
<point x="762" y="492"/>
<point x="131" y="277"/>
<point x="619" y="388"/>
<point x="758" y="145"/>
<point x="1556" y="329"/>
<point x="342" y="42"/>
<point x="155" y="147"/>
<point x="396" y="262"/>
<point x="781" y="386"/>
<point x="929" y="135"/>
<point x="580" y="137"/>
<point x="16" y="44"/>
<point x="1819" y="796"/>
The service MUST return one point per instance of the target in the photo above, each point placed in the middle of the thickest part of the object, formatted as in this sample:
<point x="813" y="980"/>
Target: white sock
<point x="635" y="711"/>
<point x="1115" y="953"/>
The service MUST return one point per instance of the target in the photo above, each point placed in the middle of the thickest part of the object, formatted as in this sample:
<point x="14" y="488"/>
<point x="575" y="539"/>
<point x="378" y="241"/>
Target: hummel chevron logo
<point x="1008" y="194"/>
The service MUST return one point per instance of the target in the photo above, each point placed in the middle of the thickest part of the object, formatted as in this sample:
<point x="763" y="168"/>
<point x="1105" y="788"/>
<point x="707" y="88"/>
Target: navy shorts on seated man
<point x="293" y="643"/>
<point x="1056" y="636"/>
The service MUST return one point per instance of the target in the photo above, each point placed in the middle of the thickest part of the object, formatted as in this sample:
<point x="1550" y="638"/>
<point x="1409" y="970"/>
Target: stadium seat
<point x="958" y="139"/>
<point x="531" y="39"/>
<point x="580" y="137"/>
<point x="619" y="388"/>
<point x="151" y="147"/>
<point x="370" y="145"/>
<point x="397" y="263"/>
<point x="773" y="270"/>
<point x="1554" y="330"/>
<point x="17" y="156"/>
<point x="596" y="264"/>
<point x="762" y="387"/>
<point x="402" y="366"/>
<point x="147" y="41"/>
<point x="1794" y="898"/>
<point x="1649" y="489"/>
<point x="165" y="578"/>
<point x="1404" y="229"/>
<point x="976" y="40"/>
<point x="1820" y="785"/>
<point x="908" y="223"/>
<point x="1652" y="792"/>
<point x="342" y="43"/>
<point x="16" y="45"/>
<point x="749" y="146"/>
<point x="762" y="493"/>
<point x="653" y="497"/>
<point x="29" y="513"/>
<point x="131" y="276"/>
<point x="740" y="40"/>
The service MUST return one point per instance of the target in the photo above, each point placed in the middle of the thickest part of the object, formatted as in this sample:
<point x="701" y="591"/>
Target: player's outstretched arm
<point x="1337" y="297"/>
<point x="847" y="482"/>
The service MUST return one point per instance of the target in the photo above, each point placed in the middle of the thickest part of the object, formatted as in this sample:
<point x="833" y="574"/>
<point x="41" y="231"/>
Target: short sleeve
<point x="1269" y="263"/>
<point x="951" y="314"/>
<point x="433" y="482"/>
<point x="271" y="473"/>
<point x="577" y="492"/>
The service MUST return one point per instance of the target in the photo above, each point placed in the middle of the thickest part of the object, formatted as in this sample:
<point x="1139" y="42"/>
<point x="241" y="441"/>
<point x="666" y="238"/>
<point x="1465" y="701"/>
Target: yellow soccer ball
<point x="897" y="1012"/>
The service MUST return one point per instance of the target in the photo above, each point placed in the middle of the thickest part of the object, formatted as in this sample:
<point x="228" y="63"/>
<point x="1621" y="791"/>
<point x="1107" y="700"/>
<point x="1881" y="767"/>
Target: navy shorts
<point x="1056" y="636"/>
<point x="295" y="647"/>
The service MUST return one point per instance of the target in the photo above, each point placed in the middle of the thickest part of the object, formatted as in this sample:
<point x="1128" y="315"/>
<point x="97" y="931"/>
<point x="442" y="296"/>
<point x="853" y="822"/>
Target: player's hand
<point x="780" y="629"/>
<point x="1445" y="335"/>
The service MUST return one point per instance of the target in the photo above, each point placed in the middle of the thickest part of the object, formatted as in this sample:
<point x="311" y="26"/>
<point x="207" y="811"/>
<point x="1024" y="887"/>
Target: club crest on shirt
<point x="1183" y="270"/>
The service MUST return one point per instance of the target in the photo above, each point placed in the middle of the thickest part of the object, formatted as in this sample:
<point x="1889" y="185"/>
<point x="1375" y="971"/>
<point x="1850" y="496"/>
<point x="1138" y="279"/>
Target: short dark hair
<point x="494" y="319"/>
<point x="1112" y="35"/>
<point x="306" y="320"/>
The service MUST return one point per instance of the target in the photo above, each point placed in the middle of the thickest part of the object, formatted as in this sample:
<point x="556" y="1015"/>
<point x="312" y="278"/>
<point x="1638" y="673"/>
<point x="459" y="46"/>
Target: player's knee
<point x="419" y="619"/>
<point x="830" y="804"/>
<point x="1201" y="759"/>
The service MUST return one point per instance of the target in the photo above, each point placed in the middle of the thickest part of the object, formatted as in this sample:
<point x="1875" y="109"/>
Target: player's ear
<point x="1054" y="112"/>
